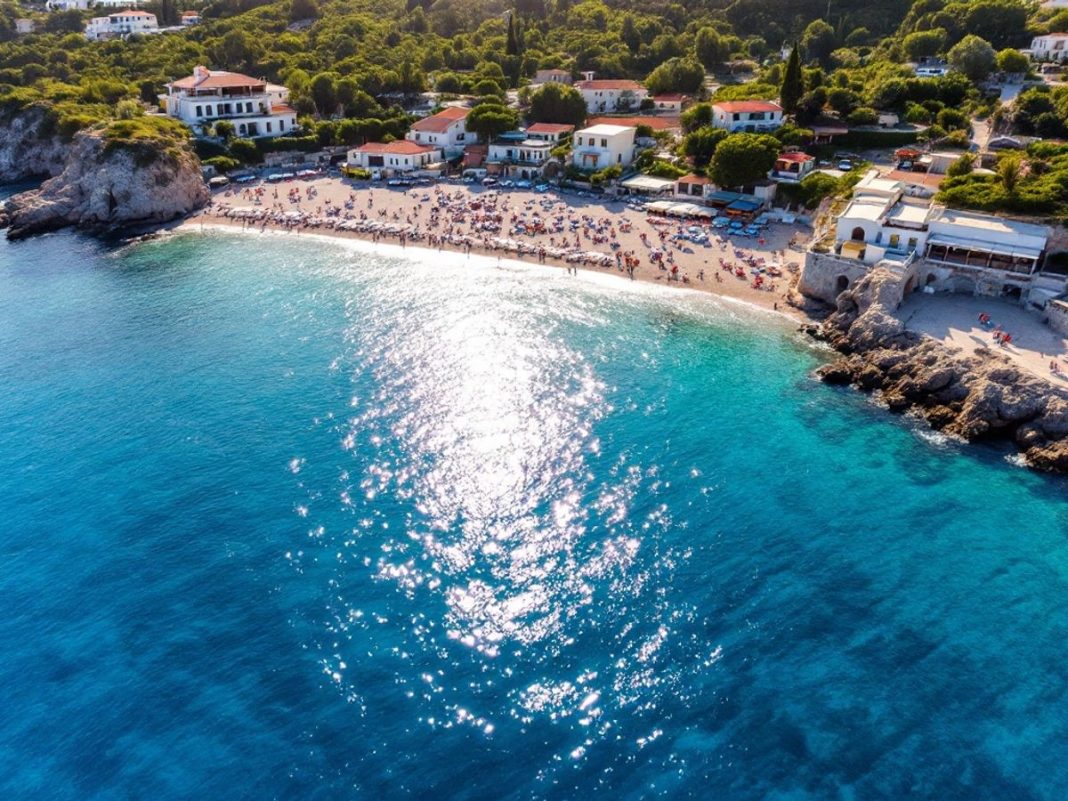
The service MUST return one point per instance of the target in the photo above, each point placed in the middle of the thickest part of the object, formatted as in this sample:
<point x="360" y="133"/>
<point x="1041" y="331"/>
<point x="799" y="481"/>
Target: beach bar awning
<point x="743" y="206"/>
<point x="648" y="183"/>
<point x="976" y="246"/>
<point x="723" y="197"/>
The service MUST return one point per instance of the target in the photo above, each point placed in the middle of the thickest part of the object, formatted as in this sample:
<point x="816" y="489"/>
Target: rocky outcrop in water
<point x="975" y="397"/>
<point x="132" y="173"/>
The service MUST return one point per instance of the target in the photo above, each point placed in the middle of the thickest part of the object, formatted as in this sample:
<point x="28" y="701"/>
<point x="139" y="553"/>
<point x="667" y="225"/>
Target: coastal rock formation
<point x="975" y="397"/>
<point x="106" y="185"/>
<point x="29" y="147"/>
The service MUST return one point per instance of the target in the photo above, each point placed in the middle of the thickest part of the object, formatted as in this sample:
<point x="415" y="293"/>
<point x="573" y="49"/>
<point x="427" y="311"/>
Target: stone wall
<point x="825" y="275"/>
<point x="1057" y="312"/>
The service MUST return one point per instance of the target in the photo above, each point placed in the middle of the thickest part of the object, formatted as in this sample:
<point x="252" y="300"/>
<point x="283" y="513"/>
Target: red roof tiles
<point x="440" y="122"/>
<point x="747" y="106"/>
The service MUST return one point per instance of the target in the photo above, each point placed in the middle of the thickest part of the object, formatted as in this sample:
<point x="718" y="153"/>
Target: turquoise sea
<point x="284" y="519"/>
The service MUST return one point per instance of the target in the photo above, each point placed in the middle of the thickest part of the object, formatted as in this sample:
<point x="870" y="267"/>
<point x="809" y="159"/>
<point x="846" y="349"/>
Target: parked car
<point x="489" y="181"/>
<point x="523" y="184"/>
<point x="845" y="166"/>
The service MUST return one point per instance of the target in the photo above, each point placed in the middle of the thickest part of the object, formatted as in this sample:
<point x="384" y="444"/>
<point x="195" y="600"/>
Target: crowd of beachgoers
<point x="568" y="231"/>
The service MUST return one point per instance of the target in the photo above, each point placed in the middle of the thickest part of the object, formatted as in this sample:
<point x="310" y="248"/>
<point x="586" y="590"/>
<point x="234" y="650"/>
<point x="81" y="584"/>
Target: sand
<point x="590" y="225"/>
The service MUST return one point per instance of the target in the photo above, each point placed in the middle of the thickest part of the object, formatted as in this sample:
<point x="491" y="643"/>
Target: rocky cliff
<point x="130" y="173"/>
<point x="29" y="145"/>
<point x="975" y="397"/>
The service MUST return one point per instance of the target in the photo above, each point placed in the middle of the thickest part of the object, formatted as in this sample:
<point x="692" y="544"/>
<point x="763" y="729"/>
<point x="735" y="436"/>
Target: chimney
<point x="587" y="76"/>
<point x="200" y="73"/>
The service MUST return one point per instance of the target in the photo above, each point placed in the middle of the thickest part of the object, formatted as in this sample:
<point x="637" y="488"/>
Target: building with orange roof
<point x="610" y="94"/>
<point x="256" y="108"/>
<point x="792" y="166"/>
<point x="750" y="116"/>
<point x="394" y="157"/>
<point x="446" y="130"/>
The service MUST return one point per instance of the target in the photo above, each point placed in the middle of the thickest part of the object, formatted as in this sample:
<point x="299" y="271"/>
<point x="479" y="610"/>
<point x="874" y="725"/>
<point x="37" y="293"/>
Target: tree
<point x="303" y="9"/>
<point x="1013" y="61"/>
<point x="973" y="56"/>
<point x="998" y="21"/>
<point x="323" y="93"/>
<point x="490" y="120"/>
<point x="630" y="35"/>
<point x="843" y="100"/>
<point x="1009" y="170"/>
<point x="696" y="116"/>
<point x="700" y="145"/>
<point x="709" y="48"/>
<point x="676" y="75"/>
<point x="818" y="41"/>
<point x="962" y="166"/>
<point x="924" y="44"/>
<point x="224" y="129"/>
<point x="512" y="45"/>
<point x="742" y="159"/>
<point x="555" y="102"/>
<point x="793" y="86"/>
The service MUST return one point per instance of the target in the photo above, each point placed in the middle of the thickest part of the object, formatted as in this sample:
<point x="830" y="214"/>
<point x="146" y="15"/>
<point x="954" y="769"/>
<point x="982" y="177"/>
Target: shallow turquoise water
<point x="285" y="520"/>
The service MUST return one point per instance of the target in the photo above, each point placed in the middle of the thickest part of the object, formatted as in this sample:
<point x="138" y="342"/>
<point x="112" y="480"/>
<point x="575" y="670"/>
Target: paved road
<point x="981" y="131"/>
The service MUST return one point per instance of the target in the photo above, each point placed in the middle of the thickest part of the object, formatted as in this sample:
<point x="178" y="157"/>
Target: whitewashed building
<point x="71" y="5"/>
<point x="518" y="156"/>
<point x="24" y="26"/>
<point x="542" y="77"/>
<point x="750" y="116"/>
<point x="121" y="24"/>
<point x="601" y="146"/>
<point x="401" y="156"/>
<point x="549" y="132"/>
<point x="931" y="247"/>
<point x="608" y="95"/>
<point x="446" y="130"/>
<point x="1050" y="47"/>
<point x="255" y="107"/>
<point x="190" y="18"/>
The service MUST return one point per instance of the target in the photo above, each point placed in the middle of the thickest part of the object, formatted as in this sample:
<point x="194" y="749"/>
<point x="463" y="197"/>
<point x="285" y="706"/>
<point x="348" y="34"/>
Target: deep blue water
<point x="285" y="520"/>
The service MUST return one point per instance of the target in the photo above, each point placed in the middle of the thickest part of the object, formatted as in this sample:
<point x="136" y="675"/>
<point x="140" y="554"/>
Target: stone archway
<point x="858" y="234"/>
<point x="842" y="284"/>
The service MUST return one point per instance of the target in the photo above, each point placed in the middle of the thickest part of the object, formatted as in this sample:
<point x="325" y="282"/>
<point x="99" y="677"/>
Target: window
<point x="895" y="241"/>
<point x="757" y="115"/>
<point x="604" y="143"/>
<point x="268" y="127"/>
<point x="200" y="111"/>
<point x="248" y="107"/>
<point x="736" y="117"/>
<point x="281" y="125"/>
<point x="912" y="243"/>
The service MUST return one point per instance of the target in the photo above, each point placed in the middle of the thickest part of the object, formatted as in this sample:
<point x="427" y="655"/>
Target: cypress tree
<point x="512" y="48"/>
<point x="793" y="84"/>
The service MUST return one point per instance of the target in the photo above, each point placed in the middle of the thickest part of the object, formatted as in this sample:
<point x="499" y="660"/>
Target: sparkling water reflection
<point x="288" y="520"/>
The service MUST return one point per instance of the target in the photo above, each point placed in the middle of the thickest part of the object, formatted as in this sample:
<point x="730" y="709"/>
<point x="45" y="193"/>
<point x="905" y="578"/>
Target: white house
<point x="601" y="146"/>
<point x="1050" y="47"/>
<point x="542" y="77"/>
<point x="791" y="167"/>
<point x="121" y="23"/>
<point x="751" y="116"/>
<point x="610" y="94"/>
<point x="694" y="186"/>
<point x="398" y="156"/>
<point x="24" y="26"/>
<point x="549" y="132"/>
<point x="516" y="155"/>
<point x="256" y="108"/>
<point x="71" y="5"/>
<point x="670" y="104"/>
<point x="446" y="130"/>
<point x="945" y="249"/>
<point x="190" y="18"/>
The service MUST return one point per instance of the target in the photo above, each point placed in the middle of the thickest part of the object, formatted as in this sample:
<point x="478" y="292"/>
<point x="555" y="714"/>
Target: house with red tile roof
<point x="393" y="157"/>
<point x="670" y="103"/>
<point x="549" y="132"/>
<point x="610" y="94"/>
<point x="446" y="130"/>
<point x="792" y="166"/>
<point x="256" y="108"/>
<point x="751" y="116"/>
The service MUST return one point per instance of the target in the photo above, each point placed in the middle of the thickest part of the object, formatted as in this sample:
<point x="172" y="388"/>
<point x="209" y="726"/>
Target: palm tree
<point x="1009" y="170"/>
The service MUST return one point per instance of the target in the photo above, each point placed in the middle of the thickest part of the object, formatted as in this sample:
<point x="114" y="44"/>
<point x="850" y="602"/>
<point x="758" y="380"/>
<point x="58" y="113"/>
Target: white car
<point x="845" y="166"/>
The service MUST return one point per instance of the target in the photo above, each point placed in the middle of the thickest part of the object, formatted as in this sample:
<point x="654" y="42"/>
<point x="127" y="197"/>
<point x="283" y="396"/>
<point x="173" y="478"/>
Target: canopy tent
<point x="742" y="207"/>
<point x="996" y="248"/>
<point x="673" y="209"/>
<point x="648" y="183"/>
